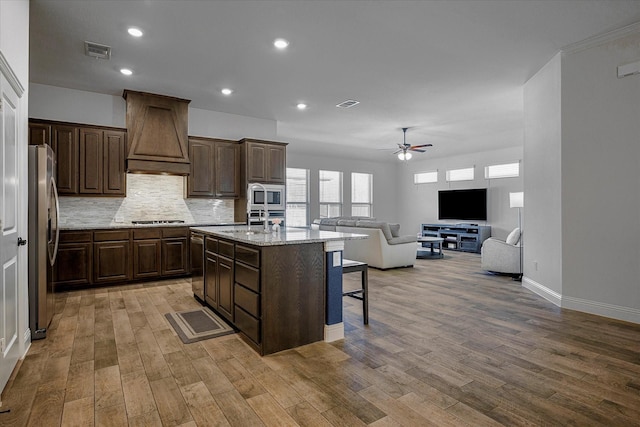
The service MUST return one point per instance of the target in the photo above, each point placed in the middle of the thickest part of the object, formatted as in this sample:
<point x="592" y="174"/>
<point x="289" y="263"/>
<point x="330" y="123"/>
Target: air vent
<point x="96" y="50"/>
<point x="348" y="103"/>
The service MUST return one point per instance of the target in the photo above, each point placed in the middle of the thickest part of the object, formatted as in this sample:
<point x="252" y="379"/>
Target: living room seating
<point x="500" y="256"/>
<point x="385" y="248"/>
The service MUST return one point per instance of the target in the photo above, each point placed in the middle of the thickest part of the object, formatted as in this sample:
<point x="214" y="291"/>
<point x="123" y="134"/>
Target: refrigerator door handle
<point x="54" y="224"/>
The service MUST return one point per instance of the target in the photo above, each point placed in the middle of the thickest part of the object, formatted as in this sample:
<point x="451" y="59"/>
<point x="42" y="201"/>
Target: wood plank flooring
<point x="446" y="345"/>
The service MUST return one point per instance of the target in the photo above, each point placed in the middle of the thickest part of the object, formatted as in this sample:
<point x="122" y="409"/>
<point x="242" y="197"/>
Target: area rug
<point x="197" y="325"/>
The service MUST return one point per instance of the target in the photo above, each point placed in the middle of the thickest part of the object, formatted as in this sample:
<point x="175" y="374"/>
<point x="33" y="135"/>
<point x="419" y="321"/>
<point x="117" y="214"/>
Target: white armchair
<point x="502" y="256"/>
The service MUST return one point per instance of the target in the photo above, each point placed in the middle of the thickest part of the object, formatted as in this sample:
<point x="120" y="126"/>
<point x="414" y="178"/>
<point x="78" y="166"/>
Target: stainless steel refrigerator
<point x="43" y="237"/>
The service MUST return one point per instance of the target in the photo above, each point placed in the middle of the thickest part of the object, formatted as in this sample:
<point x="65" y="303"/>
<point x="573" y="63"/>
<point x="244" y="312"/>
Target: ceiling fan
<point x="404" y="153"/>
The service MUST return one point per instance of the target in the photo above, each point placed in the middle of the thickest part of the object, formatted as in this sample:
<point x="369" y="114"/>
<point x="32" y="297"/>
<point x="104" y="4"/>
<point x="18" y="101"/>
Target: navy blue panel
<point x="334" y="290"/>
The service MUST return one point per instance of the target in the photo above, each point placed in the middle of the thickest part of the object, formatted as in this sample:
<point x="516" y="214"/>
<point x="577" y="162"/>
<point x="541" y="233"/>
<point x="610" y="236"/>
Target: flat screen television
<point x="469" y="205"/>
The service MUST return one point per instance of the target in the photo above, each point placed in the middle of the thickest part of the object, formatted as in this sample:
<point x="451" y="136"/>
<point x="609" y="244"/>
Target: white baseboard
<point x="612" y="311"/>
<point x="627" y="314"/>
<point x="543" y="291"/>
<point x="334" y="332"/>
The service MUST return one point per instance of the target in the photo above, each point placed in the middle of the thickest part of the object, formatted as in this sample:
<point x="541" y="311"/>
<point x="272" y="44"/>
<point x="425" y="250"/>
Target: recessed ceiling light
<point x="301" y="106"/>
<point x="126" y="71"/>
<point x="281" y="43"/>
<point x="226" y="91"/>
<point x="135" y="32"/>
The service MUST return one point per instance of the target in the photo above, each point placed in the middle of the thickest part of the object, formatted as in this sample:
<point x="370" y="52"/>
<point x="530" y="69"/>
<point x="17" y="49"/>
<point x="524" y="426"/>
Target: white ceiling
<point x="451" y="70"/>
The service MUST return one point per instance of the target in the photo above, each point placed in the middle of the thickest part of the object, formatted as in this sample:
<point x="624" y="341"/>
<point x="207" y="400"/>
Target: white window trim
<point x="504" y="170"/>
<point x="430" y="177"/>
<point x="464" y="174"/>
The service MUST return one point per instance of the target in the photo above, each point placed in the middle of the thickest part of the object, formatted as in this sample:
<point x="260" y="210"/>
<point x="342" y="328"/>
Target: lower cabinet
<point x="225" y="287"/>
<point x="218" y="276"/>
<point x="111" y="259"/>
<point x="210" y="279"/>
<point x="121" y="256"/>
<point x="74" y="259"/>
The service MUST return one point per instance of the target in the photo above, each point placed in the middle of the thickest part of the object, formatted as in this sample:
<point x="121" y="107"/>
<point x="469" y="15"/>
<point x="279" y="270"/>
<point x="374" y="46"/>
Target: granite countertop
<point x="120" y="225"/>
<point x="286" y="236"/>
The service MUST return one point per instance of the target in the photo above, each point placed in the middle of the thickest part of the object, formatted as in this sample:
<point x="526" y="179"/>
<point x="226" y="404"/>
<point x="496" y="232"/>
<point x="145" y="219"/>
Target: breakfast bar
<point x="279" y="289"/>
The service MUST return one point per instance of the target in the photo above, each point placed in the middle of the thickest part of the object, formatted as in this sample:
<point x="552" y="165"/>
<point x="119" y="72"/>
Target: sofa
<point x="502" y="256"/>
<point x="385" y="248"/>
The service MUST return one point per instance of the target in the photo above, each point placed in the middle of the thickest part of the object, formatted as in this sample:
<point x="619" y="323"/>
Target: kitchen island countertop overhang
<point x="286" y="236"/>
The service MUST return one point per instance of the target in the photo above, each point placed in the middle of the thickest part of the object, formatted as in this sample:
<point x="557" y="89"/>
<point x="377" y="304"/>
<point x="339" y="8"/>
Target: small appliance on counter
<point x="43" y="237"/>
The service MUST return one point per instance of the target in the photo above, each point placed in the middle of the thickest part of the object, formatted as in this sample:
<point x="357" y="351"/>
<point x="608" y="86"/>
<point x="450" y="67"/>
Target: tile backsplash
<point x="149" y="197"/>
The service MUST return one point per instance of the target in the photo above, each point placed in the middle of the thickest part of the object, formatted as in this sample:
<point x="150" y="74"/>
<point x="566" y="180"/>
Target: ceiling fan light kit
<point x="404" y="152"/>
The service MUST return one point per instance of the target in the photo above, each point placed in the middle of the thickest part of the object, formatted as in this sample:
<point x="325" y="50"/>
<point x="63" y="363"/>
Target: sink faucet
<point x="266" y="205"/>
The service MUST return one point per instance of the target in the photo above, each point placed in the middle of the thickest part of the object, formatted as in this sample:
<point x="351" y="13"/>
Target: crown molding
<point x="599" y="39"/>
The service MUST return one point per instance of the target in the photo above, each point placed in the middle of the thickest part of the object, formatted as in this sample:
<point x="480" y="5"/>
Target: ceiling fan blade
<point x="398" y="151"/>
<point x="420" y="146"/>
<point x="417" y="150"/>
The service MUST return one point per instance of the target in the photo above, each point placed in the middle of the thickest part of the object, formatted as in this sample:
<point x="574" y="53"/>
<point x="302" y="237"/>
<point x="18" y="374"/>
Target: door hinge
<point x="1" y="345"/>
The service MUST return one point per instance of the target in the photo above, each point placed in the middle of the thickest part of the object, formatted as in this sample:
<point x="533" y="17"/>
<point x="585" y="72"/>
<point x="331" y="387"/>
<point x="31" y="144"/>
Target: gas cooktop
<point x="158" y="221"/>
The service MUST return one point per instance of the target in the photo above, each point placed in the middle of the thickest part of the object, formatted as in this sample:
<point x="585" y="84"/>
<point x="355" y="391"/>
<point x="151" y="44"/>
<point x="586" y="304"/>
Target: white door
<point x="10" y="346"/>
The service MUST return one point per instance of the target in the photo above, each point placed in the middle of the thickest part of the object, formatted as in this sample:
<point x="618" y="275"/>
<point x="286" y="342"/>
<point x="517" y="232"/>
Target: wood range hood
<point x="157" y="128"/>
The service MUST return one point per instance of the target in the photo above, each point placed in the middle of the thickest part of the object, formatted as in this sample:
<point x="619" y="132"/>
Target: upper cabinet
<point x="215" y="168"/>
<point x="90" y="159"/>
<point x="264" y="161"/>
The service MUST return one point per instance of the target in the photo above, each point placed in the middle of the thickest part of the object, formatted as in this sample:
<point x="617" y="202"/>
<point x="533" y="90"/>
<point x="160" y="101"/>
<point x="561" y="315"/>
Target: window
<point x="507" y="170"/>
<point x="361" y="194"/>
<point x="330" y="194"/>
<point x="460" y="174"/>
<point x="297" y="214"/>
<point x="425" y="177"/>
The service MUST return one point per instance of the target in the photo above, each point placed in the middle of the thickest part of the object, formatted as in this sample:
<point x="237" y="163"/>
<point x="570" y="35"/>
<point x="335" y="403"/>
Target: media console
<point x="458" y="237"/>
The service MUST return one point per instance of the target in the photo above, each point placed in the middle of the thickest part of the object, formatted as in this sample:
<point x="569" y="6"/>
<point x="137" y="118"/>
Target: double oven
<point x="275" y="202"/>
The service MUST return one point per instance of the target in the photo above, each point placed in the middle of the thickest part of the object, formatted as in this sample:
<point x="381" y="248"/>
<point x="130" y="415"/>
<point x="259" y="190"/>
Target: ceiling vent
<point x="96" y="50"/>
<point x="348" y="103"/>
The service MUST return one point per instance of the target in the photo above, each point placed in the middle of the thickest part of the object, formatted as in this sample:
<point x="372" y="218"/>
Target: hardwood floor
<point x="446" y="345"/>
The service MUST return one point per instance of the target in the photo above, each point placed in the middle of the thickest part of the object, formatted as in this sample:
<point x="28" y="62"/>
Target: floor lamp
<point x="516" y="200"/>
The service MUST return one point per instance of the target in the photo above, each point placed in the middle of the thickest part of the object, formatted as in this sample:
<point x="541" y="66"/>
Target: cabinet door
<point x="200" y="182"/>
<point x="39" y="134"/>
<point x="111" y="261"/>
<point x="211" y="279"/>
<point x="276" y="164"/>
<point x="91" y="168"/>
<point x="146" y="258"/>
<point x="256" y="162"/>
<point x="65" y="145"/>
<point x="174" y="256"/>
<point x="225" y="287"/>
<point x="73" y="264"/>
<point x="114" y="177"/>
<point x="227" y="169"/>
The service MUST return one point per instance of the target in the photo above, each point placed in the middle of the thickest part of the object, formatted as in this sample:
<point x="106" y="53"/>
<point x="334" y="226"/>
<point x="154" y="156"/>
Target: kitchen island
<point x="273" y="287"/>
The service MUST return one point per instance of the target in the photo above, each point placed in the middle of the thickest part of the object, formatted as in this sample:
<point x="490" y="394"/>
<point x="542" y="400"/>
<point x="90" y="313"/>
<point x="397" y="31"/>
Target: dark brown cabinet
<point x="111" y="260"/>
<point x="74" y="259"/>
<point x="219" y="276"/>
<point x="65" y="145"/>
<point x="175" y="250"/>
<point x="147" y="253"/>
<point x="215" y="168"/>
<point x="39" y="134"/>
<point x="90" y="159"/>
<point x="265" y="161"/>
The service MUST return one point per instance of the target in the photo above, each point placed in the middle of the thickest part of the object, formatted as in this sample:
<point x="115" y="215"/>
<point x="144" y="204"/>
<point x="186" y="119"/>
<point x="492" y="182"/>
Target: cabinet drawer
<point x="75" y="236"/>
<point x="226" y="248"/>
<point x="248" y="324"/>
<point x="248" y="255"/>
<point x="175" y="232"/>
<point x="248" y="277"/>
<point x="146" y="233"/>
<point x="103" y="236"/>
<point x="249" y="301"/>
<point x="212" y="245"/>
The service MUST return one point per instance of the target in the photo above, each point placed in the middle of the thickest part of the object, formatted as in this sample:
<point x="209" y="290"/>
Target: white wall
<point x="542" y="182"/>
<point x="14" y="37"/>
<point x="600" y="180"/>
<point x="420" y="202"/>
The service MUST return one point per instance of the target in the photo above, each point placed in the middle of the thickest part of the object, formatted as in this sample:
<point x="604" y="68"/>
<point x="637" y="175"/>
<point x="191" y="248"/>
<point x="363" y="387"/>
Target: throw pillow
<point x="395" y="229"/>
<point x="514" y="237"/>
